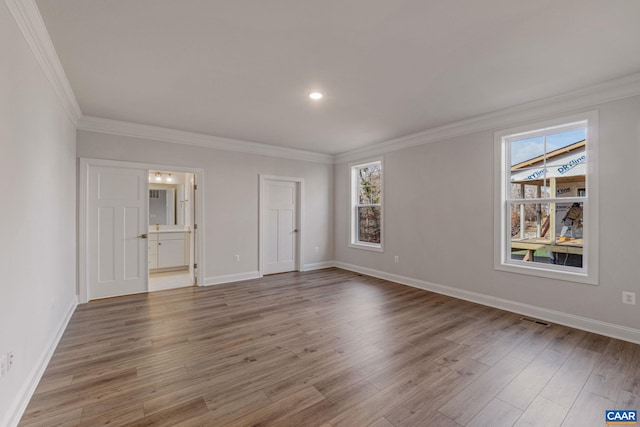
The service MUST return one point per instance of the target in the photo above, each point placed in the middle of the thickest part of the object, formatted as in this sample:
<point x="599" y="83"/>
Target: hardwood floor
<point x="326" y="348"/>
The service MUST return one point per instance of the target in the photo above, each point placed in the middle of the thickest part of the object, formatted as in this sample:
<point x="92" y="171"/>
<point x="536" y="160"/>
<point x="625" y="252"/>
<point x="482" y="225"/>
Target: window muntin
<point x="546" y="200"/>
<point x="366" y="209"/>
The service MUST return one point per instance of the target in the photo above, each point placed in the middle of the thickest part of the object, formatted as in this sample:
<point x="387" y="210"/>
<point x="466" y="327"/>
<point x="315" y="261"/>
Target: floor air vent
<point x="539" y="322"/>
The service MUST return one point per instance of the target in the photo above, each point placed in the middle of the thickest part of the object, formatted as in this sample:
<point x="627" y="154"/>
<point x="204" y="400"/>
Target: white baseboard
<point x="229" y="278"/>
<point x="16" y="410"/>
<point x="590" y="325"/>
<point x="318" y="265"/>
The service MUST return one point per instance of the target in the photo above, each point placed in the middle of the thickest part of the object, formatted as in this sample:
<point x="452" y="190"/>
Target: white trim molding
<point x="318" y="265"/>
<point x="83" y="210"/>
<point x="157" y="133"/>
<point x="354" y="203"/>
<point x="28" y="18"/>
<point x="29" y="21"/>
<point x="590" y="325"/>
<point x="588" y="273"/>
<point x="612" y="90"/>
<point x="231" y="278"/>
<point x="19" y="405"/>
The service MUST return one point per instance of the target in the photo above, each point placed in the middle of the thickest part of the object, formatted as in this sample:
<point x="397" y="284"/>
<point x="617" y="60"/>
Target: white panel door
<point x="280" y="227"/>
<point x="117" y="219"/>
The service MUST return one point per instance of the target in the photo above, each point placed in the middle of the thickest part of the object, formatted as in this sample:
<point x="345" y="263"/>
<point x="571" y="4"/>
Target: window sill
<point x="367" y="247"/>
<point x="547" y="273"/>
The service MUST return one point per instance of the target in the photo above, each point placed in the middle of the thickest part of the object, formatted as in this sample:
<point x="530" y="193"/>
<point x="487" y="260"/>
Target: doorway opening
<point x="114" y="227"/>
<point x="171" y="232"/>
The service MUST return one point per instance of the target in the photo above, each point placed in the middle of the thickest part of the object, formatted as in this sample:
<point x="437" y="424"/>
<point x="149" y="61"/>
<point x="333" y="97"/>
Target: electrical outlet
<point x="237" y="257"/>
<point x="3" y="365"/>
<point x="396" y="259"/>
<point x="628" y="297"/>
<point x="9" y="360"/>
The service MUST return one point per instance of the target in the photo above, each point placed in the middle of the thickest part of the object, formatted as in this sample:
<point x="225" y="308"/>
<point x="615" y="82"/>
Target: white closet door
<point x="280" y="221"/>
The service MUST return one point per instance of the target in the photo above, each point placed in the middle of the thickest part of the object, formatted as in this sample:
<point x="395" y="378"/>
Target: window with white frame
<point x="546" y="199"/>
<point x="366" y="205"/>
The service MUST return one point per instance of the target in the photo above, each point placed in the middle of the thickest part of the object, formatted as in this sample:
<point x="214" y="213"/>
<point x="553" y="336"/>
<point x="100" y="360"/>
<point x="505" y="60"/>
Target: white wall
<point x="439" y="211"/>
<point x="231" y="196"/>
<point x="38" y="214"/>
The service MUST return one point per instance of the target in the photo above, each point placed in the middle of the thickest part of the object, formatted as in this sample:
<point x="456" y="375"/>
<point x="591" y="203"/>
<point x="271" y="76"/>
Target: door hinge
<point x="195" y="186"/>
<point x="195" y="226"/>
<point x="195" y="265"/>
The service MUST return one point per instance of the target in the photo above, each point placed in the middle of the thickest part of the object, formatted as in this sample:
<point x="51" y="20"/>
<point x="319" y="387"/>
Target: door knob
<point x="142" y="236"/>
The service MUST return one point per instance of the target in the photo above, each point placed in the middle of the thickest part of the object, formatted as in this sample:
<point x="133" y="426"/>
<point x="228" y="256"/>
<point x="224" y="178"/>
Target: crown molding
<point x="29" y="20"/>
<point x="156" y="133"/>
<point x="580" y="99"/>
<point x="583" y="98"/>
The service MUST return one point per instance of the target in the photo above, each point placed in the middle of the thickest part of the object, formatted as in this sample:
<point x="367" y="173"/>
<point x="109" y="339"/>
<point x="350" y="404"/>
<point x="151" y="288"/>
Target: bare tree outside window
<point x="368" y="207"/>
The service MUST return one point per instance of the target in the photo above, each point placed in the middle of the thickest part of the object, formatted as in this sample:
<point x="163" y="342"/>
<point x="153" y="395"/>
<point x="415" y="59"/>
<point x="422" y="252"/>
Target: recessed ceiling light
<point x="316" y="95"/>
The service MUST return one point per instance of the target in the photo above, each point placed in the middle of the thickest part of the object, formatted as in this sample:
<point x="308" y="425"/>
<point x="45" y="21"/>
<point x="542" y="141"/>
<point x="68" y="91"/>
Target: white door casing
<point x="117" y="219"/>
<point x="280" y="225"/>
<point x="193" y="272"/>
<point x="87" y="244"/>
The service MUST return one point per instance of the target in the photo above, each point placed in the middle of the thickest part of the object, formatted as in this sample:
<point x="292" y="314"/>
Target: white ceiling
<point x="242" y="69"/>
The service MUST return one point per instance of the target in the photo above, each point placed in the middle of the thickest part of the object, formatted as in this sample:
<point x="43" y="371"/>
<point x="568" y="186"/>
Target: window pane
<point x="370" y="185"/>
<point x="561" y="140"/>
<point x="568" y="164"/>
<point x="532" y="191"/>
<point x="569" y="234"/>
<point x="574" y="187"/>
<point x="533" y="239"/>
<point x="366" y="205"/>
<point x="368" y="224"/>
<point x="529" y="191"/>
<point x="569" y="225"/>
<point x="516" y="191"/>
<point x="530" y="178"/>
<point x="526" y="149"/>
<point x="530" y="233"/>
<point x="530" y="221"/>
<point x="539" y="161"/>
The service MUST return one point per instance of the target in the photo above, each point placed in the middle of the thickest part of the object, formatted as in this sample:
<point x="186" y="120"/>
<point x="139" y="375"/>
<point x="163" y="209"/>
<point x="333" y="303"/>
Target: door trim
<point x="299" y="214"/>
<point x="83" y="211"/>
